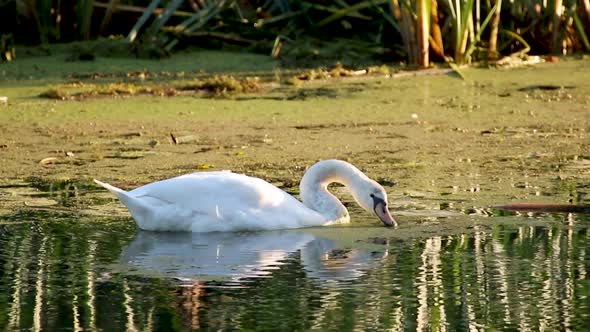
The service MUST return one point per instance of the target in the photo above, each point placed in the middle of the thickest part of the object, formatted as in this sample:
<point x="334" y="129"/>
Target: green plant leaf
<point x="144" y="17"/>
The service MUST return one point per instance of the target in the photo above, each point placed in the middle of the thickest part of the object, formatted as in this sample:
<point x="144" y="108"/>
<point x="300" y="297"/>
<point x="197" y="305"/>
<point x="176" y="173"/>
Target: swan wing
<point x="209" y="192"/>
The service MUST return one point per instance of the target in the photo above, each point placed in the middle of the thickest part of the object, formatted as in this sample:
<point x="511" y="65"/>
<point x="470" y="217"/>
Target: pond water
<point x="508" y="273"/>
<point x="446" y="150"/>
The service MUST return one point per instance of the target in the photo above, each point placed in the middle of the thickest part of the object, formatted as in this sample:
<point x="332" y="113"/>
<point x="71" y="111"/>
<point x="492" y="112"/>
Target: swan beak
<point x="380" y="209"/>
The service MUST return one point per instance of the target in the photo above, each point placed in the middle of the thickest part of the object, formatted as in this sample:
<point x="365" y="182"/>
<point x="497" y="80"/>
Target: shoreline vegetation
<point x="305" y="33"/>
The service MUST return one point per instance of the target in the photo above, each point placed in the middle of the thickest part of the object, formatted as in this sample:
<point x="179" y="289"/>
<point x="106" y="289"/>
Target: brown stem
<point x="436" y="41"/>
<point x="494" y="28"/>
<point x="423" y="33"/>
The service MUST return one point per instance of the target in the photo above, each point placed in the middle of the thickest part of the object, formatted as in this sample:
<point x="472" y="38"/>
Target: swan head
<point x="373" y="198"/>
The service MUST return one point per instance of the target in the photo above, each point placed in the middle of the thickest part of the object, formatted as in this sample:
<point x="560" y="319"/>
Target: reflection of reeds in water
<point x="39" y="286"/>
<point x="525" y="279"/>
<point x="478" y="293"/>
<point x="503" y="277"/>
<point x="429" y="280"/>
<point x="17" y="288"/>
<point x="191" y="304"/>
<point x="90" y="293"/>
<point x="51" y="280"/>
<point x="500" y="280"/>
<point x="128" y="305"/>
<point x="329" y="302"/>
<point x="90" y="282"/>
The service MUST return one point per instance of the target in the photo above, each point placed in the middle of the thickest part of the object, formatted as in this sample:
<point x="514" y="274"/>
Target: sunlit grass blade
<point x="139" y="24"/>
<point x="85" y="10"/>
<point x="165" y="16"/>
<point x="423" y="31"/>
<point x="466" y="24"/>
<point x="388" y="17"/>
<point x="516" y="36"/>
<point x="200" y="19"/>
<point x="483" y="26"/>
<point x="462" y="22"/>
<point x="457" y="70"/>
<point x="581" y="32"/>
<point x="556" y="33"/>
<point x="586" y="9"/>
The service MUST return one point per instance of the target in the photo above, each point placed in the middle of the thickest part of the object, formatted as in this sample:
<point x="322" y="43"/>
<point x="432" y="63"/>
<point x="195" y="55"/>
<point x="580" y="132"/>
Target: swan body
<point x="226" y="201"/>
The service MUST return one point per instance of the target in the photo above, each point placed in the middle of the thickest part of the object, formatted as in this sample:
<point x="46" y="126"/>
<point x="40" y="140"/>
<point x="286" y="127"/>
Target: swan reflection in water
<point x="234" y="256"/>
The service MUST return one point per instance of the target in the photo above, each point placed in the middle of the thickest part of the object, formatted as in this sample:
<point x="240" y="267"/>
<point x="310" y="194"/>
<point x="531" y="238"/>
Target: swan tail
<point x="117" y="191"/>
<point x="139" y="209"/>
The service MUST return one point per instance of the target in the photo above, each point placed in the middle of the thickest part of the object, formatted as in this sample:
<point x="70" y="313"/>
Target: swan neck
<point x="314" y="188"/>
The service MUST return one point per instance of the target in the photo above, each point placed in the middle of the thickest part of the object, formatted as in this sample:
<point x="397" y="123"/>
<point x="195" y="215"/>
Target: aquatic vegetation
<point x="213" y="86"/>
<point x="220" y="84"/>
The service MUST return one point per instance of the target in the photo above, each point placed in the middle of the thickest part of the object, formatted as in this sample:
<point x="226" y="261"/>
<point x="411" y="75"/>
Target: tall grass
<point x="458" y="31"/>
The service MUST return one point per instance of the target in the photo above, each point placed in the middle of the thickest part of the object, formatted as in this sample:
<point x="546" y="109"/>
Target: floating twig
<point x="544" y="207"/>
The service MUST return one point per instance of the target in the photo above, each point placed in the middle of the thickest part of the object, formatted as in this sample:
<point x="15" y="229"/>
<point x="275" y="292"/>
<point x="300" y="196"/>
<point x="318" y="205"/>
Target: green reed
<point x="457" y="31"/>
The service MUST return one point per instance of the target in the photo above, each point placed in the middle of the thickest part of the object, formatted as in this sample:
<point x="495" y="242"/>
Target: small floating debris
<point x="518" y="60"/>
<point x="545" y="87"/>
<point x="47" y="161"/>
<point x="544" y="207"/>
<point x="132" y="134"/>
<point x="153" y="142"/>
<point x="183" y="139"/>
<point x="54" y="93"/>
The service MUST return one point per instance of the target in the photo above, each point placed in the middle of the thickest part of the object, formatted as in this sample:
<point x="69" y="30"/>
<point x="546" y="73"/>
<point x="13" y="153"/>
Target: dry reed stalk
<point x="436" y="41"/>
<point x="407" y="30"/>
<point x="555" y="37"/>
<point x="460" y="51"/>
<point x="423" y="32"/>
<point x="586" y="4"/>
<point x="494" y="28"/>
<point x="410" y="26"/>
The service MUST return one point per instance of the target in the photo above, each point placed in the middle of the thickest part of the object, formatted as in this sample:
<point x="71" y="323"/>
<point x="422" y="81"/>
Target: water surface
<point x="444" y="149"/>
<point x="109" y="276"/>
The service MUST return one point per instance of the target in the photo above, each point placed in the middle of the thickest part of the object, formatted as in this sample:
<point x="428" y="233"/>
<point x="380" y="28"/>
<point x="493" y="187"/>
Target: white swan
<point x="225" y="201"/>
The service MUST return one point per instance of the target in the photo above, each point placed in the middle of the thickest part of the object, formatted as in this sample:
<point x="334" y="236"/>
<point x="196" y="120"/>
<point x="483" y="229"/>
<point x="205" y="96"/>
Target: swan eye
<point x="372" y="196"/>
